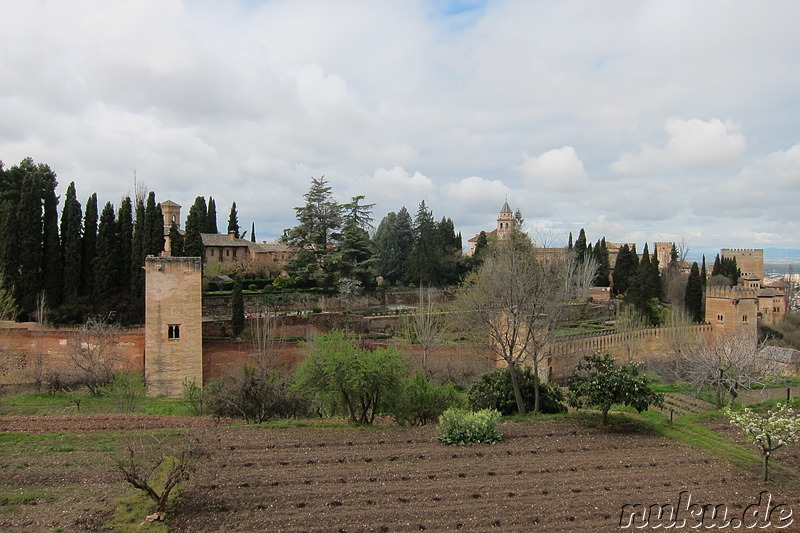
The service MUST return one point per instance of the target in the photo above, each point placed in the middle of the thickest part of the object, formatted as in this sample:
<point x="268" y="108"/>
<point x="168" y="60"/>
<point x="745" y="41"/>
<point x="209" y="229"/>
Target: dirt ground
<point x="548" y="476"/>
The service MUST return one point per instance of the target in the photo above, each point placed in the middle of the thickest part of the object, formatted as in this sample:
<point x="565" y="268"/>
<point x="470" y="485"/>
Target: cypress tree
<point x="654" y="281"/>
<point x="8" y="246"/>
<point x="703" y="273"/>
<point x="193" y="240"/>
<point x="237" y="308"/>
<point x="71" y="215"/>
<point x="29" y="238"/>
<point x="233" y="222"/>
<point x="569" y="243"/>
<point x="580" y="246"/>
<point x="53" y="265"/>
<point x="138" y="253"/>
<point x="125" y="244"/>
<point x="211" y="217"/>
<point x="106" y="272"/>
<point x="176" y="241"/>
<point x="423" y="265"/>
<point x="693" y="298"/>
<point x="89" y="246"/>
<point x="715" y="270"/>
<point x="253" y="232"/>
<point x="625" y="269"/>
<point x="603" y="278"/>
<point x="153" y="241"/>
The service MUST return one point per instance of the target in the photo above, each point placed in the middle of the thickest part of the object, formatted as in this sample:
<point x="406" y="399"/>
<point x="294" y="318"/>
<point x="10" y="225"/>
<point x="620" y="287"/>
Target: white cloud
<point x="692" y="143"/>
<point x="558" y="169"/>
<point x="476" y="194"/>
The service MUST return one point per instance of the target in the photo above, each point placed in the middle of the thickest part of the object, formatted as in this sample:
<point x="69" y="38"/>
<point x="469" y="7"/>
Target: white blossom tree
<point x="768" y="431"/>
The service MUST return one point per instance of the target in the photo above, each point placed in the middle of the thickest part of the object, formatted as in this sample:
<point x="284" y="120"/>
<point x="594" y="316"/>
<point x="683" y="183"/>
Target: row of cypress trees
<point x="89" y="262"/>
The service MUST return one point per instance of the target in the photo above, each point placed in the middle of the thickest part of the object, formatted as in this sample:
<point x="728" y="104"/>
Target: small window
<point x="720" y="319"/>
<point x="227" y="252"/>
<point x="174" y="332"/>
<point x="744" y="318"/>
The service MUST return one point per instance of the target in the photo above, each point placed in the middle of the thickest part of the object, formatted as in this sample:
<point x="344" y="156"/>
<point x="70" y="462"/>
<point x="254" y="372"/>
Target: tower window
<point x="174" y="332"/>
<point x="744" y="318"/>
<point x="720" y="319"/>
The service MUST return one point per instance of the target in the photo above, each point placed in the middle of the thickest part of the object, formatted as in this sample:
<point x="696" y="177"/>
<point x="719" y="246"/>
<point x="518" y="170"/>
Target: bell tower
<point x="505" y="222"/>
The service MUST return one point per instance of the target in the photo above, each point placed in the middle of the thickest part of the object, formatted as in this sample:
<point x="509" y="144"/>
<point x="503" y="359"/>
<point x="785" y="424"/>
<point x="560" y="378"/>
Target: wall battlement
<point x="731" y="293"/>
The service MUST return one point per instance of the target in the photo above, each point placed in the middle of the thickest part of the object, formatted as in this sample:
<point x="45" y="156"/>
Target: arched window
<point x="174" y="332"/>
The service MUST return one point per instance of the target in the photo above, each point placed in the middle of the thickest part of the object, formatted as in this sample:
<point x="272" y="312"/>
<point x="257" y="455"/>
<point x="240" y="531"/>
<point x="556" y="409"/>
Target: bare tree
<point x="517" y="299"/>
<point x="143" y="457"/>
<point x="93" y="354"/>
<point x="728" y="363"/>
<point x="629" y="324"/>
<point x="425" y="328"/>
<point x="265" y="334"/>
<point x="42" y="310"/>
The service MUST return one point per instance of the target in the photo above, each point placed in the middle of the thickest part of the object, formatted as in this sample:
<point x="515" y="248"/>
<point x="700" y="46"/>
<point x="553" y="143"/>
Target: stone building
<point x="173" y="324"/>
<point x="749" y="261"/>
<point x="505" y="225"/>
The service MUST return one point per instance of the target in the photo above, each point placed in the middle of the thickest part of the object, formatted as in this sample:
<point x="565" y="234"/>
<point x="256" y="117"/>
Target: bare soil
<point x="555" y="475"/>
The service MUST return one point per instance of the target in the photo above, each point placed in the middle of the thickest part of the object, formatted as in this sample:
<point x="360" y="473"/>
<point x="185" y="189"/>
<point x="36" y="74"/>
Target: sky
<point x="639" y="121"/>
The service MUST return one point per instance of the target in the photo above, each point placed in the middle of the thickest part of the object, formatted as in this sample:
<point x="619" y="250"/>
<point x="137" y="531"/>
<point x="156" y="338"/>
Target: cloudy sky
<point x="638" y="120"/>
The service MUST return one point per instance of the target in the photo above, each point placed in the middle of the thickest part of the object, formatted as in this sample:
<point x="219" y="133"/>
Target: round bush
<point x="493" y="391"/>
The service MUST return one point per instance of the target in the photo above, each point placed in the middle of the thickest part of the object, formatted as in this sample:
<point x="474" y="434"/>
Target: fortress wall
<point x="749" y="261"/>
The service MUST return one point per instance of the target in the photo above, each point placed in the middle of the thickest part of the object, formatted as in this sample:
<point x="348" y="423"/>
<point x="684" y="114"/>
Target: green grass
<point x="30" y="404"/>
<point x="10" y="501"/>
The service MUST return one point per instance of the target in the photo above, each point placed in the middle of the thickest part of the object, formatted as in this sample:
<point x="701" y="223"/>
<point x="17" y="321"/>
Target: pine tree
<point x="423" y="265"/>
<point x="237" y="309"/>
<point x="71" y="215"/>
<point x="693" y="298"/>
<point x="106" y="272"/>
<point x="125" y="246"/>
<point x="233" y="222"/>
<point x="211" y="217"/>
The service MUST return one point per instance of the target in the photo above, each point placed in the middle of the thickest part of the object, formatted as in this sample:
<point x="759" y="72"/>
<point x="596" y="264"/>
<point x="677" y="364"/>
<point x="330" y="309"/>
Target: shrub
<point x="196" y="397"/>
<point x="126" y="389"/>
<point x="254" y="394"/>
<point x="493" y="391"/>
<point x="422" y="401"/>
<point x="470" y="427"/>
<point x="252" y="287"/>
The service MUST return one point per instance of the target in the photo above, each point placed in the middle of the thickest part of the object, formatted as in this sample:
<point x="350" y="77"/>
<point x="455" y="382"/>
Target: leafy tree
<point x="350" y="376"/>
<point x="693" y="299"/>
<point x="237" y="309"/>
<point x="493" y="390"/>
<point x="770" y="431"/>
<point x="233" y="222"/>
<point x="106" y="262"/>
<point x="600" y="383"/>
<point x="421" y="401"/>
<point x="89" y="245"/>
<point x="211" y="217"/>
<point x="517" y="299"/>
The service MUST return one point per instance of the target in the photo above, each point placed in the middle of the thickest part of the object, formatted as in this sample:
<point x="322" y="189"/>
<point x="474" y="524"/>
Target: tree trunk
<point x="512" y="373"/>
<point x="537" y="407"/>
<point x="604" y="419"/>
<point x="765" y="463"/>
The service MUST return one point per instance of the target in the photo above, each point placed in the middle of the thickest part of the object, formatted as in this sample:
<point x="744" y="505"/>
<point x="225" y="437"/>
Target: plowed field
<point x="564" y="475"/>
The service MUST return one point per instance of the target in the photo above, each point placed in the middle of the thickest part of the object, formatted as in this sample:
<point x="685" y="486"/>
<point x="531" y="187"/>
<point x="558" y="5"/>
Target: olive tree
<point x="517" y="298"/>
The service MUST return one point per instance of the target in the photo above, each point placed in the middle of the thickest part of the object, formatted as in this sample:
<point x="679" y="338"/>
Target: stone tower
<point x="505" y="222"/>
<point x="172" y="213"/>
<point x="173" y="324"/>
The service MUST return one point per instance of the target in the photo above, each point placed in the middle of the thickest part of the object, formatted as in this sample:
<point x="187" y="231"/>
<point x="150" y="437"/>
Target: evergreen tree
<point x="393" y="240"/>
<point x="175" y="241"/>
<point x="357" y="213"/>
<point x="580" y="246"/>
<point x="654" y="280"/>
<point x="125" y="244"/>
<point x="29" y="239"/>
<point x="423" y="265"/>
<point x="71" y="215"/>
<point x="716" y="269"/>
<point x="316" y="236"/>
<point x="211" y="217"/>
<point x="193" y="240"/>
<point x="600" y="254"/>
<point x="569" y="243"/>
<point x="106" y="272"/>
<point x="625" y="269"/>
<point x="89" y="246"/>
<point x="138" y="254"/>
<point x="8" y="249"/>
<point x="703" y="273"/>
<point x="355" y="253"/>
<point x="640" y="292"/>
<point x="53" y="265"/>
<point x="693" y="298"/>
<point x="233" y="222"/>
<point x="153" y="242"/>
<point x="481" y="246"/>
<point x="450" y="254"/>
<point x="253" y="232"/>
<point x="237" y="308"/>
